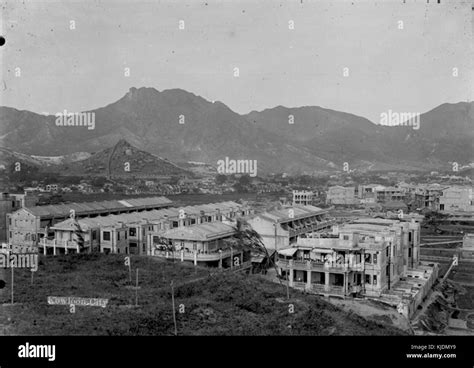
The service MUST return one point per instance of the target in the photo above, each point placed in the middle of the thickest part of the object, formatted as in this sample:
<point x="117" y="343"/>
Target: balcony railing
<point x="62" y="243"/>
<point x="189" y="256"/>
<point x="319" y="266"/>
<point x="302" y="229"/>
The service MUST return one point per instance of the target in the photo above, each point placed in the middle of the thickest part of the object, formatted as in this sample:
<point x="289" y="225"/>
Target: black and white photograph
<point x="237" y="168"/>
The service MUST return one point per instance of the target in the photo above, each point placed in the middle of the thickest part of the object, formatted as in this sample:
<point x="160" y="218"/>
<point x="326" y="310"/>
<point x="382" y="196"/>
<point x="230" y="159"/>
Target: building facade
<point x="374" y="258"/>
<point x="339" y="195"/>
<point x="457" y="198"/>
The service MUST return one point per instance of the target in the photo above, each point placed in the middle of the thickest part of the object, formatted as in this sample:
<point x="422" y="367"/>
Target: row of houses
<point x="147" y="233"/>
<point x="434" y="197"/>
<point x="29" y="224"/>
<point x="373" y="258"/>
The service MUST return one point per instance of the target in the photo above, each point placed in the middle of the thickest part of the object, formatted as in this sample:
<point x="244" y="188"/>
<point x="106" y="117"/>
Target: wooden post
<point x="287" y="284"/>
<point x="174" y="310"/>
<point x="136" y="290"/>
<point x="12" y="282"/>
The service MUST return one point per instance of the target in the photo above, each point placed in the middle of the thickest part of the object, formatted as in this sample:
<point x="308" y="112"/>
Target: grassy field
<point x="218" y="304"/>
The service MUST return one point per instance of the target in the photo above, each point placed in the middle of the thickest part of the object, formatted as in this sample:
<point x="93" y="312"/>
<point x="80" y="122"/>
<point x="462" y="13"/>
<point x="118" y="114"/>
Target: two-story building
<point x="374" y="258"/>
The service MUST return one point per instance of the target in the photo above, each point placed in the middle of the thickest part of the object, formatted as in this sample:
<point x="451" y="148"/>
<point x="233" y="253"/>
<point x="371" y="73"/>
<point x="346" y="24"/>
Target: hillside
<point x="181" y="126"/>
<point x="225" y="304"/>
<point x="122" y="160"/>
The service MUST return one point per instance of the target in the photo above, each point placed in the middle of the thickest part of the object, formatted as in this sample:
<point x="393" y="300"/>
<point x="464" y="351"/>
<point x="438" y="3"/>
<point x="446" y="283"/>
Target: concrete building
<point x="339" y="195"/>
<point x="302" y="197"/>
<point x="10" y="202"/>
<point x="389" y="194"/>
<point x="281" y="227"/>
<point x="374" y="258"/>
<point x="127" y="233"/>
<point x="28" y="225"/>
<point x="368" y="191"/>
<point x="427" y="196"/>
<point x="457" y="198"/>
<point x="202" y="244"/>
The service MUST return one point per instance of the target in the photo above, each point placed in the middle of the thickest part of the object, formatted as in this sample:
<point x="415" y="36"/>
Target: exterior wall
<point x="302" y="197"/>
<point x="267" y="231"/>
<point x="8" y="204"/>
<point x="457" y="199"/>
<point x="118" y="242"/>
<point x="341" y="195"/>
<point x="23" y="228"/>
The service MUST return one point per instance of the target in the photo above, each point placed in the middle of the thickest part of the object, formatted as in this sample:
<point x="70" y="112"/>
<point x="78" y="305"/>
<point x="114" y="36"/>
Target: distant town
<point x="390" y="237"/>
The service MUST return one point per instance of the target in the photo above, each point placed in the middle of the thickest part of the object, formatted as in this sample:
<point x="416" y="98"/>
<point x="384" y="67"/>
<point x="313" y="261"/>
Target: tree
<point x="221" y="179"/>
<point x="245" y="180"/>
<point x="78" y="235"/>
<point x="246" y="238"/>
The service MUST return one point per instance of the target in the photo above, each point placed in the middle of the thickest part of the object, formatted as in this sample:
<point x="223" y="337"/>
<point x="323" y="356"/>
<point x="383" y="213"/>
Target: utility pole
<point x="174" y="310"/>
<point x="12" y="268"/>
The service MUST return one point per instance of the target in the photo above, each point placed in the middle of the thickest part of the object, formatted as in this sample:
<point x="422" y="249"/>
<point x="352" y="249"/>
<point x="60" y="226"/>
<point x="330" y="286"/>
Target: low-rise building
<point x="281" y="227"/>
<point x="428" y="196"/>
<point x="374" y="258"/>
<point x="127" y="233"/>
<point x="302" y="197"/>
<point x="202" y="244"/>
<point x="339" y="195"/>
<point x="28" y="225"/>
<point x="457" y="198"/>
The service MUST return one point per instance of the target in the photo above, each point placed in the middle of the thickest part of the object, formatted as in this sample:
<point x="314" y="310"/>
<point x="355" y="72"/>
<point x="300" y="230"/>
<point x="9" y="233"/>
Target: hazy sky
<point x="405" y="70"/>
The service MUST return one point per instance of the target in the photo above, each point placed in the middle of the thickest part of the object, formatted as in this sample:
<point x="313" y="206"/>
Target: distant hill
<point x="122" y="160"/>
<point x="182" y="126"/>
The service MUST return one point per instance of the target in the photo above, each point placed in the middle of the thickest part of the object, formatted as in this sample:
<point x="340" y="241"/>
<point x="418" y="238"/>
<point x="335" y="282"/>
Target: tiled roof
<point x="61" y="210"/>
<point x="150" y="216"/>
<point x="283" y="214"/>
<point x="202" y="232"/>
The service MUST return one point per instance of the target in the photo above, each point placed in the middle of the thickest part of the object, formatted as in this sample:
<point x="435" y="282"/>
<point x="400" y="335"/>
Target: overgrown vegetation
<point x="206" y="304"/>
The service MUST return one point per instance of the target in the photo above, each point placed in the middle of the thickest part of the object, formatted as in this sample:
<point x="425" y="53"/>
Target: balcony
<point x="319" y="266"/>
<point x="69" y="244"/>
<point x="189" y="256"/>
<point x="303" y="229"/>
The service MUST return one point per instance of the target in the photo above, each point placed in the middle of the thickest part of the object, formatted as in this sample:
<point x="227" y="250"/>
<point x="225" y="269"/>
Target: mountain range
<point x="179" y="126"/>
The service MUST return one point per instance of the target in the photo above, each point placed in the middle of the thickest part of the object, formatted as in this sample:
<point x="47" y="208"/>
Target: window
<point x="368" y="258"/>
<point x="374" y="280"/>
<point x="133" y="231"/>
<point x="346" y="237"/>
<point x="118" y="235"/>
<point x="106" y="235"/>
<point x="387" y="270"/>
<point x="367" y="279"/>
<point x="410" y="236"/>
<point x="94" y="235"/>
<point x="409" y="252"/>
<point x="375" y="258"/>
<point x="388" y="251"/>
